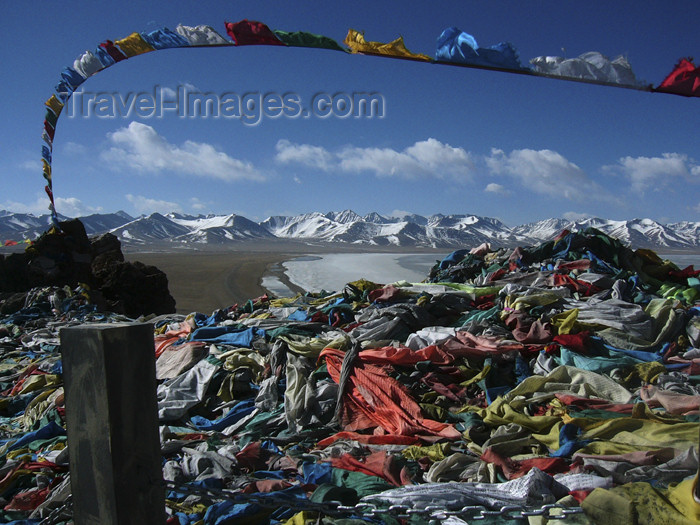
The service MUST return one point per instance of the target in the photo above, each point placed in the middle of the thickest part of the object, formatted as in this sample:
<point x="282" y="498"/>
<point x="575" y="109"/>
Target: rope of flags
<point x="455" y="48"/>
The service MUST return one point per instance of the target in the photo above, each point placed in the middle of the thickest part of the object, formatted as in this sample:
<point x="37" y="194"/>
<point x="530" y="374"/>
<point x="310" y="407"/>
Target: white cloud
<point x="74" y="207"/>
<point x="197" y="204"/>
<point x="31" y="165"/>
<point x="74" y="148"/>
<point x="400" y="214"/>
<point x="427" y="158"/>
<point x="436" y="156"/>
<point x="169" y="93"/>
<point x="575" y="216"/>
<point x="68" y="206"/>
<point x="38" y="207"/>
<point x="647" y="172"/>
<point x="140" y="148"/>
<point x="306" y="154"/>
<point x="546" y="172"/>
<point x="383" y="161"/>
<point x="297" y="179"/>
<point x="146" y="206"/>
<point x="492" y="187"/>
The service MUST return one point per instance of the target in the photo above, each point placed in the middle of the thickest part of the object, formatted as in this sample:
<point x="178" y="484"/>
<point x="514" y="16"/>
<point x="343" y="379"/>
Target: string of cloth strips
<point x="454" y="47"/>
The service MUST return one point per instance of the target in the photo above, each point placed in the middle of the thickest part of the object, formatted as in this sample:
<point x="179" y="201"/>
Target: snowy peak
<point x="417" y="219"/>
<point x="343" y="217"/>
<point x="687" y="230"/>
<point x="19" y="226"/>
<point x="202" y="229"/>
<point x="374" y="229"/>
<point x="375" y="218"/>
<point x="309" y="225"/>
<point x="155" y="227"/>
<point x="541" y="230"/>
<point x="101" y="222"/>
<point x="638" y="233"/>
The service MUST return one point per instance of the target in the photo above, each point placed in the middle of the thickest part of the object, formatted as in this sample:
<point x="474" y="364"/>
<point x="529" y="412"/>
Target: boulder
<point x="67" y="257"/>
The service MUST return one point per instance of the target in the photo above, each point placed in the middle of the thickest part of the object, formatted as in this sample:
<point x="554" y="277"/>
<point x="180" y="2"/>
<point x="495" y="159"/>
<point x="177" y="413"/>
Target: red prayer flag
<point x="683" y="80"/>
<point x="250" y="32"/>
<point x="49" y="129"/>
<point x="113" y="51"/>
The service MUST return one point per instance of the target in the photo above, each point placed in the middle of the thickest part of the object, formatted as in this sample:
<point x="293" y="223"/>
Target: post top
<point x="106" y="326"/>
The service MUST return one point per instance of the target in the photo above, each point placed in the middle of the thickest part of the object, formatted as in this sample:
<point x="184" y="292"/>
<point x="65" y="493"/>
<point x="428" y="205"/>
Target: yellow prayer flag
<point x="357" y="44"/>
<point x="133" y="45"/>
<point x="54" y="105"/>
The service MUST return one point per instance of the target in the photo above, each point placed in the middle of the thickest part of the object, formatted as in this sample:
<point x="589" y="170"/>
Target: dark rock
<point x="60" y="258"/>
<point x="14" y="273"/>
<point x="11" y="302"/>
<point x="136" y="289"/>
<point x="69" y="257"/>
<point x="106" y="244"/>
<point x="106" y="254"/>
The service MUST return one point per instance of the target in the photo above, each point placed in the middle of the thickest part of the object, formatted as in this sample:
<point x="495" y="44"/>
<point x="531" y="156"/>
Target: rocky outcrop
<point x="69" y="258"/>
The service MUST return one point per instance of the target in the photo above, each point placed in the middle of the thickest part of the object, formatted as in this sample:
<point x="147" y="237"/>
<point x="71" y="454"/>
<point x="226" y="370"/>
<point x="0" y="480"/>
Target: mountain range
<point x="373" y="229"/>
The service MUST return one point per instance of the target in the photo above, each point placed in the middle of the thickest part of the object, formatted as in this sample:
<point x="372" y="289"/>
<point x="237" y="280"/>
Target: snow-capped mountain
<point x="638" y="233"/>
<point x="218" y="229"/>
<point x="373" y="229"/>
<point x="19" y="226"/>
<point x="178" y="228"/>
<point x="541" y="230"/>
<point x="687" y="230"/>
<point x="101" y="222"/>
<point x="155" y="227"/>
<point x="309" y="225"/>
<point x="470" y="230"/>
<point x="344" y="217"/>
<point x="375" y="218"/>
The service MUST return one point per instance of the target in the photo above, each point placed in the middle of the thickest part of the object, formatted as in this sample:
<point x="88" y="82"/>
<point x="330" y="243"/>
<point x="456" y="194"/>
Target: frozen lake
<point x="682" y="259"/>
<point x="331" y="272"/>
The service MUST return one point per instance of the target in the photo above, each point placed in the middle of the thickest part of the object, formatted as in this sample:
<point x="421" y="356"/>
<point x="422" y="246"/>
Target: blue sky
<point x="450" y="140"/>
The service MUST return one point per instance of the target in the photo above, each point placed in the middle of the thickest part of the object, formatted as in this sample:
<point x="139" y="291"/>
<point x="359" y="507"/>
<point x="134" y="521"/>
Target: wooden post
<point x="112" y="424"/>
<point x="696" y="485"/>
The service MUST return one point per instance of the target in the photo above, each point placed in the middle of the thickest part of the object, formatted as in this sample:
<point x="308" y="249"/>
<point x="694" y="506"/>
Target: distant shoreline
<point x="277" y="271"/>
